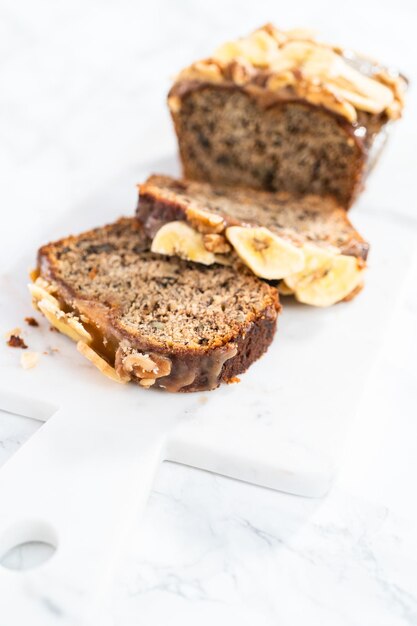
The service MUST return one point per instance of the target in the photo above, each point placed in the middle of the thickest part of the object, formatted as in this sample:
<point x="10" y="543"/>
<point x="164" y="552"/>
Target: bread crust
<point x="193" y="368"/>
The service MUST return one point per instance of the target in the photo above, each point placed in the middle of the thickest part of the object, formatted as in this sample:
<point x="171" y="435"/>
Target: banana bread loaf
<point x="280" y="111"/>
<point x="151" y="319"/>
<point x="307" y="241"/>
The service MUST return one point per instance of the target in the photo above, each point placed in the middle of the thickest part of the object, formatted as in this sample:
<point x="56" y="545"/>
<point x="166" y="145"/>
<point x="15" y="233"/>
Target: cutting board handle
<point x="103" y="469"/>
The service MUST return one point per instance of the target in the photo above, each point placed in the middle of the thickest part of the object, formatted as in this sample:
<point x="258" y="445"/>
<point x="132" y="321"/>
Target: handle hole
<point x="27" y="545"/>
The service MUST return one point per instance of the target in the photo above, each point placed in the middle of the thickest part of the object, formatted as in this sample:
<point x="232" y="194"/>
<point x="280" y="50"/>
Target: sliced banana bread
<point x="151" y="319"/>
<point x="280" y="111"/>
<point x="307" y="241"/>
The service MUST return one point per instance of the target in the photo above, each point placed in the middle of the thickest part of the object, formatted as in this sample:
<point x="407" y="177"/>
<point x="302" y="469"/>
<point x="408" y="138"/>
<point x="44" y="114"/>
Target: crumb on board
<point x="29" y="360"/>
<point x="50" y="351"/>
<point x="53" y="329"/>
<point x="30" y="321"/>
<point x="15" y="341"/>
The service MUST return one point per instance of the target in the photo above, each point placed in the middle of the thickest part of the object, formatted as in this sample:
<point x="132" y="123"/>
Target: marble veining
<point x="341" y="559"/>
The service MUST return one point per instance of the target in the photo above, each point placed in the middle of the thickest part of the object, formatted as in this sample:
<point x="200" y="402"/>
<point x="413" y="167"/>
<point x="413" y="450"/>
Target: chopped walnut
<point x="16" y="341"/>
<point x="139" y="363"/>
<point x="239" y="71"/>
<point x="30" y="321"/>
<point x="141" y="366"/>
<point x="216" y="243"/>
<point x="205" y="221"/>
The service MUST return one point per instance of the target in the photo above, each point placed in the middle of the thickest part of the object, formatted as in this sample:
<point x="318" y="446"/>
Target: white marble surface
<point x="82" y="102"/>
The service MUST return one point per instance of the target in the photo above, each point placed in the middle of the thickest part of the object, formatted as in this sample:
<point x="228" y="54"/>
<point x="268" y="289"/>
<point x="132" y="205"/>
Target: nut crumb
<point x="50" y="351"/>
<point x="30" y="321"/>
<point x="213" y="242"/>
<point x="15" y="341"/>
<point x="235" y="379"/>
<point x="29" y="360"/>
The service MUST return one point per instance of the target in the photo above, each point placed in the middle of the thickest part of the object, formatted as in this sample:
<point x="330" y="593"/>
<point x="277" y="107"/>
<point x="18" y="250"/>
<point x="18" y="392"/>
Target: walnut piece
<point x="205" y="221"/>
<point x="216" y="243"/>
<point x="138" y="365"/>
<point x="147" y="366"/>
<point x="15" y="341"/>
<point x="30" y="321"/>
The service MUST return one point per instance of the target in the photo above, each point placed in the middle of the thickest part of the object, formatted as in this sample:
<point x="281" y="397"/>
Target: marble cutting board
<point x="82" y="479"/>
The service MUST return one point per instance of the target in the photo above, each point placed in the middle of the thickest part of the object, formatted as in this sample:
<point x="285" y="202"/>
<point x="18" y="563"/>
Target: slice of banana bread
<point x="151" y="319"/>
<point x="307" y="241"/>
<point x="280" y="111"/>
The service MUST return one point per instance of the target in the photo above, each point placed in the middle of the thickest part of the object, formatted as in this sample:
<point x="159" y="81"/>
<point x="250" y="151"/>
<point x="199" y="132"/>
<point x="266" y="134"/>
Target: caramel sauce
<point x="112" y="346"/>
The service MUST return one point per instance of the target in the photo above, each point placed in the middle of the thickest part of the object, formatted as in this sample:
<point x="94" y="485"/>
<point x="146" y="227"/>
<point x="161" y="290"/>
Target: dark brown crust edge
<point x="250" y="345"/>
<point x="251" y="342"/>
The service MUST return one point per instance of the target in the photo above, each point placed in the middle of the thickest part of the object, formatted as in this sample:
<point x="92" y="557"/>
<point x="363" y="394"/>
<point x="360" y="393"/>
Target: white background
<point x="82" y="101"/>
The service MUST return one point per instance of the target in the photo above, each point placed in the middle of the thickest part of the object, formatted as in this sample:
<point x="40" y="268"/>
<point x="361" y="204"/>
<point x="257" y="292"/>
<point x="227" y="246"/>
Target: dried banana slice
<point x="284" y="290"/>
<point x="258" y="48"/>
<point x="39" y="291"/>
<point x="66" y="324"/>
<point x="268" y="255"/>
<point x="180" y="239"/>
<point x="328" y="276"/>
<point x="104" y="367"/>
<point x="317" y="62"/>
